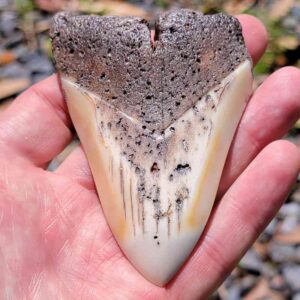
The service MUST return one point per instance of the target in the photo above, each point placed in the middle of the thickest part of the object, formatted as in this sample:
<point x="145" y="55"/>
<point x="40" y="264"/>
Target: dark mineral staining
<point x="181" y="195"/>
<point x="154" y="168"/>
<point x="182" y="169"/>
<point x="185" y="145"/>
<point x="141" y="189"/>
<point x="122" y="188"/>
<point x="208" y="98"/>
<point x="195" y="109"/>
<point x="138" y="140"/>
<point x="179" y="203"/>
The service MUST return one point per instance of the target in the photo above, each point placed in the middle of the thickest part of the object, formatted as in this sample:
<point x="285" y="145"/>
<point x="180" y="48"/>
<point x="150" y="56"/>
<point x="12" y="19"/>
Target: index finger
<point x="255" y="36"/>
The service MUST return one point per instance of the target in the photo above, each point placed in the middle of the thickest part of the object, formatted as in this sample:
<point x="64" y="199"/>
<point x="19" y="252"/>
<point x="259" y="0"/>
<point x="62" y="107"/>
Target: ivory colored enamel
<point x="158" y="245"/>
<point x="83" y="113"/>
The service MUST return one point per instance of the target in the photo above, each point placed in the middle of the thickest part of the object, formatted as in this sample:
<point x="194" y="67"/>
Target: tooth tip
<point x="160" y="281"/>
<point x="159" y="261"/>
<point x="158" y="278"/>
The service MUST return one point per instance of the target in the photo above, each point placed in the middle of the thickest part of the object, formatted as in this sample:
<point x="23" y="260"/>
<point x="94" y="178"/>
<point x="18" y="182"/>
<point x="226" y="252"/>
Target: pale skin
<point x="54" y="240"/>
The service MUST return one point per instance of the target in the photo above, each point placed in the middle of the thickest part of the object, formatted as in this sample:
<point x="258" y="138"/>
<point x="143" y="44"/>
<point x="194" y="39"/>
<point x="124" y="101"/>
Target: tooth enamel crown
<point x="159" y="111"/>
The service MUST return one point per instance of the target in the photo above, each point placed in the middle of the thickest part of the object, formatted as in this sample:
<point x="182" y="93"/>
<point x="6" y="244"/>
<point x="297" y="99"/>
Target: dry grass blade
<point x="293" y="237"/>
<point x="110" y="7"/>
<point x="10" y="87"/>
<point x="6" y="58"/>
<point x="263" y="291"/>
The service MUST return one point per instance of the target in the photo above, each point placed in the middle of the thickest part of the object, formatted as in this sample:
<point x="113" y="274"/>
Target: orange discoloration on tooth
<point x="196" y="216"/>
<point x="225" y="120"/>
<point x="82" y="109"/>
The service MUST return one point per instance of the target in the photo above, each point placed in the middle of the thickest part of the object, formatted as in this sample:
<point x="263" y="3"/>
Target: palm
<point x="56" y="236"/>
<point x="54" y="241"/>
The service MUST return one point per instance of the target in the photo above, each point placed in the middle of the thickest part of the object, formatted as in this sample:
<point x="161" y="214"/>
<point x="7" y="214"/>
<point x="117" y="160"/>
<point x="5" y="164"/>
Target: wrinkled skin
<point x="54" y="241"/>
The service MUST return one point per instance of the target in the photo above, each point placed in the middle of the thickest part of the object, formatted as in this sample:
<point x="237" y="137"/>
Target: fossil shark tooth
<point x="156" y="120"/>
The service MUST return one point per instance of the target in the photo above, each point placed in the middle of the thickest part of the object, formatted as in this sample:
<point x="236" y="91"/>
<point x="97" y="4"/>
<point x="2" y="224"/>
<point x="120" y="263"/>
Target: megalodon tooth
<point x="156" y="119"/>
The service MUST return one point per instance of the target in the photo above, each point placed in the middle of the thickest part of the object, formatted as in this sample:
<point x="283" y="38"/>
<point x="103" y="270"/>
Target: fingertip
<point x="255" y="36"/>
<point x="285" y="154"/>
<point x="279" y="159"/>
<point x="50" y="85"/>
<point x="289" y="76"/>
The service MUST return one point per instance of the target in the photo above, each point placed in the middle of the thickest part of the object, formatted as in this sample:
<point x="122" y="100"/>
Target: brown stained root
<point x="155" y="83"/>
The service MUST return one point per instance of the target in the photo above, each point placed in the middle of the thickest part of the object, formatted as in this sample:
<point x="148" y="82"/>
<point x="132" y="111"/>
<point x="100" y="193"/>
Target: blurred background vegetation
<point x="281" y="17"/>
<point x="271" y="268"/>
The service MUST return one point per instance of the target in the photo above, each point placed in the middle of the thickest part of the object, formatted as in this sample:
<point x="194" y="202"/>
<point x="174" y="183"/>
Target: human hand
<point x="54" y="240"/>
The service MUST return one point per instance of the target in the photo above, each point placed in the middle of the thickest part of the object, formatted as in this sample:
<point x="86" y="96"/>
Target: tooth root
<point x="157" y="199"/>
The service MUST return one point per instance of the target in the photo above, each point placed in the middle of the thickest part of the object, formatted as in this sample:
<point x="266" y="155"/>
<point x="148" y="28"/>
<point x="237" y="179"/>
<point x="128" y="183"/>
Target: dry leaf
<point x="280" y="8"/>
<point x="111" y="7"/>
<point x="6" y="58"/>
<point x="10" y="87"/>
<point x="5" y="104"/>
<point x="52" y="5"/>
<point x="222" y="292"/>
<point x="297" y="124"/>
<point x="27" y="27"/>
<point x="42" y="25"/>
<point x="263" y="291"/>
<point x="258" y="80"/>
<point x="261" y="249"/>
<point x="281" y="60"/>
<point x="63" y="155"/>
<point x="288" y="42"/>
<point x="292" y="237"/>
<point x="234" y="7"/>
